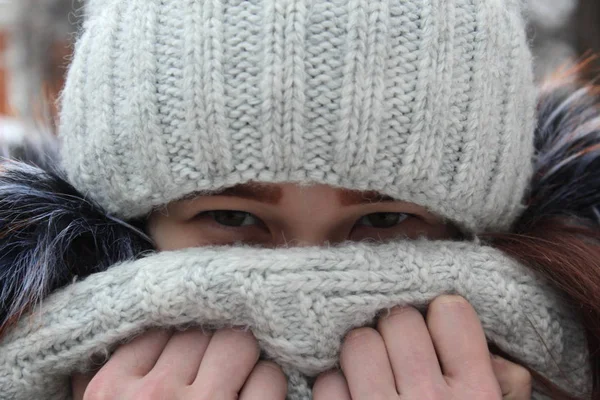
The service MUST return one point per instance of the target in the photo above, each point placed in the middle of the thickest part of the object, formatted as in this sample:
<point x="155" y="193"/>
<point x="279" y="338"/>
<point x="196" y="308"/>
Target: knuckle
<point x="159" y="374"/>
<point x="429" y="392"/>
<point x="152" y="389"/>
<point x="210" y="393"/>
<point x="381" y="394"/>
<point x="484" y="392"/>
<point x="484" y="388"/>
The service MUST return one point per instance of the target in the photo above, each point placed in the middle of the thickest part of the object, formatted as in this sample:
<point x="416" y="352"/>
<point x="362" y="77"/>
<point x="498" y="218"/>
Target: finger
<point x="331" y="386"/>
<point x="79" y="383"/>
<point x="138" y="357"/>
<point x="515" y="381"/>
<point x="181" y="357"/>
<point x="460" y="342"/>
<point x="229" y="359"/>
<point x="101" y="384"/>
<point x="266" y="382"/>
<point x="365" y="364"/>
<point x="410" y="350"/>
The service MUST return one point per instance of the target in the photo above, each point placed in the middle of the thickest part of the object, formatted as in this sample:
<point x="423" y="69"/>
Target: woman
<point x="276" y="123"/>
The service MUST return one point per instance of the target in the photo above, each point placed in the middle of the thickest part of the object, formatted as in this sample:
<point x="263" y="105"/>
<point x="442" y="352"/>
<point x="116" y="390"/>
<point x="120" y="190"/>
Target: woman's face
<point x="275" y="215"/>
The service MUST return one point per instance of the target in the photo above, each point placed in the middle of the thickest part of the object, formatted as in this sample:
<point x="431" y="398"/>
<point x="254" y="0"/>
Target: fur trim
<point x="566" y="182"/>
<point x="50" y="235"/>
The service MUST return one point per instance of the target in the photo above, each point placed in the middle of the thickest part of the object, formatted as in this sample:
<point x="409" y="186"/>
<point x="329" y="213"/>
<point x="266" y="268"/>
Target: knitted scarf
<point x="299" y="303"/>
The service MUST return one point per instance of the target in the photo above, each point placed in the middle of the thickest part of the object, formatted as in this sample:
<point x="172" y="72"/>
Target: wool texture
<point x="426" y="101"/>
<point x="299" y="303"/>
<point x="48" y="219"/>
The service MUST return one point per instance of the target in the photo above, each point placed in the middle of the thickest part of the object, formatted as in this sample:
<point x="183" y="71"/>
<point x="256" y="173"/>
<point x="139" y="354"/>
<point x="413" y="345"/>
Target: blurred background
<point x="36" y="39"/>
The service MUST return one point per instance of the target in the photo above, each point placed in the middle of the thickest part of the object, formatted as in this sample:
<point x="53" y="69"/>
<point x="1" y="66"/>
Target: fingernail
<point x="396" y="311"/>
<point x="449" y="299"/>
<point x="270" y="365"/>
<point x="240" y="328"/>
<point x="358" y="333"/>
<point x="335" y="371"/>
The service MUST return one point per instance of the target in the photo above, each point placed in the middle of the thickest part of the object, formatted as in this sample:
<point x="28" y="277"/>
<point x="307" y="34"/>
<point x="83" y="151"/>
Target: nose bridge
<point x="312" y="217"/>
<point x="314" y="229"/>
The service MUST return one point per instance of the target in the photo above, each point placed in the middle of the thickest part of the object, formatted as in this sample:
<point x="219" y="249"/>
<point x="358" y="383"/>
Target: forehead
<point x="273" y="193"/>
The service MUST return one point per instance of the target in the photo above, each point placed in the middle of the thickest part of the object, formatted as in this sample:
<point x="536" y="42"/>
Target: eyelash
<point x="212" y="216"/>
<point x="401" y="218"/>
<point x="258" y="222"/>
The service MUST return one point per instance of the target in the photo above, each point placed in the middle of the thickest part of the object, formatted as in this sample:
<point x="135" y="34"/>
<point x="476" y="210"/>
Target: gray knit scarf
<point x="298" y="302"/>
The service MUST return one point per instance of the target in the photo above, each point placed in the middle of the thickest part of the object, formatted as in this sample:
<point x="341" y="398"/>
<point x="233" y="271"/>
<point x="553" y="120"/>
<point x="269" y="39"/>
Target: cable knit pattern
<point x="427" y="101"/>
<point x="298" y="302"/>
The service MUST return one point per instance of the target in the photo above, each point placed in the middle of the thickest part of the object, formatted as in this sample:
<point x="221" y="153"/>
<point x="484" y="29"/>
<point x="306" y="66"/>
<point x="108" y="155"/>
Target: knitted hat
<point x="426" y="101"/>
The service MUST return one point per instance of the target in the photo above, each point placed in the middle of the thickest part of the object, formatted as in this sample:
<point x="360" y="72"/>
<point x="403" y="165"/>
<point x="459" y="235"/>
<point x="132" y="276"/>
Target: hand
<point x="185" y="365"/>
<point x="407" y="358"/>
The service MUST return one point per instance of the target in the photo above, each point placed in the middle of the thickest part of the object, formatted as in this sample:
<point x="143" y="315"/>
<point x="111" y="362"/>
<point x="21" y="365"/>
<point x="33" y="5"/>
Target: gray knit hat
<point x="426" y="101"/>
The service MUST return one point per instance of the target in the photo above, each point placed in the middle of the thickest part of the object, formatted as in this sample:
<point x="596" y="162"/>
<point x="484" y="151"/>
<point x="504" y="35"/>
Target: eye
<point x="232" y="218"/>
<point x="382" y="220"/>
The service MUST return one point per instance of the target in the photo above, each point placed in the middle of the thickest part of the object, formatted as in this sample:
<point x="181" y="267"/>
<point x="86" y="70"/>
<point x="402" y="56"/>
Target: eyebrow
<point x="354" y="197"/>
<point x="254" y="191"/>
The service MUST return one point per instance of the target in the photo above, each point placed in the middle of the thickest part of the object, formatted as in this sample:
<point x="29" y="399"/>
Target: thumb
<point x="515" y="381"/>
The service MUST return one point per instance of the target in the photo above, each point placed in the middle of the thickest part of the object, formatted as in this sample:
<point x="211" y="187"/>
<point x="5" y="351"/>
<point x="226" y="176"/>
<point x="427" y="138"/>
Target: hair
<point x="558" y="234"/>
<point x="51" y="235"/>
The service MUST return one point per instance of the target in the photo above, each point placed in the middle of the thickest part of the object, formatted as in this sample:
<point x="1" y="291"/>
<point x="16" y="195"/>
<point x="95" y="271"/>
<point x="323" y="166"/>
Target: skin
<point x="443" y="355"/>
<point x="291" y="215"/>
